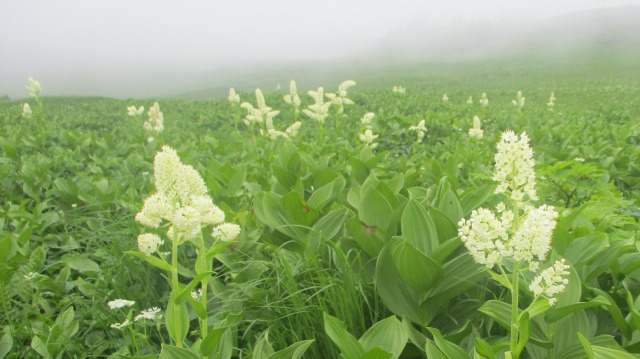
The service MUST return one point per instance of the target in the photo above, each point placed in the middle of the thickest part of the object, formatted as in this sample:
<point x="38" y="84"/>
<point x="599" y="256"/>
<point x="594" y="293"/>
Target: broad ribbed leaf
<point x="347" y="343"/>
<point x="388" y="334"/>
<point x="418" y="228"/>
<point x="420" y="272"/>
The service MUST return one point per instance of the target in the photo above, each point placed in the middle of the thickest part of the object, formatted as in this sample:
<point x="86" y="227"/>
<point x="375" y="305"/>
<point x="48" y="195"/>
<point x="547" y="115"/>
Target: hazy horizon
<point x="151" y="48"/>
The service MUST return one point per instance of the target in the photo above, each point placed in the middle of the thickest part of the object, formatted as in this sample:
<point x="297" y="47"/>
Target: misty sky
<point x="64" y="39"/>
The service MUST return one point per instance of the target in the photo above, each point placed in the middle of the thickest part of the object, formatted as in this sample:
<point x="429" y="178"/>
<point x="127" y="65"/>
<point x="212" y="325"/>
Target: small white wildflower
<point x="398" y="89"/>
<point x="148" y="314"/>
<point x="470" y="100"/>
<point x="148" y="243"/>
<point x="519" y="101"/>
<point x="551" y="103"/>
<point x="292" y="97"/>
<point x="120" y="303"/>
<point x="196" y="294"/>
<point x="121" y="326"/>
<point x="579" y="159"/>
<point x="30" y="276"/>
<point x="155" y="122"/>
<point x="445" y="98"/>
<point x="226" y="232"/>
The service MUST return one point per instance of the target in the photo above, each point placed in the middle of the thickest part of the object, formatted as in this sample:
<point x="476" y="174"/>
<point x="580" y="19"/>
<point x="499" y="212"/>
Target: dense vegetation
<point x="337" y="236"/>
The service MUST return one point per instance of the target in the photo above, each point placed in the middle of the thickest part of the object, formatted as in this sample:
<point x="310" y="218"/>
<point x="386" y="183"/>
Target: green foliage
<point x="328" y="226"/>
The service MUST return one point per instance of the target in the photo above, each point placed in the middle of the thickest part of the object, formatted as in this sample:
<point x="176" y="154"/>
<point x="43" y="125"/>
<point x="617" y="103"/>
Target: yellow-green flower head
<point x="514" y="167"/>
<point x="26" y="111"/>
<point x="234" y="98"/>
<point x="33" y="88"/>
<point x="226" y="232"/>
<point x="148" y="243"/>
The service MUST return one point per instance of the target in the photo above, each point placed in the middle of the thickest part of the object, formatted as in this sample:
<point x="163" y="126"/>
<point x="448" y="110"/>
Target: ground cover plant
<point x="494" y="218"/>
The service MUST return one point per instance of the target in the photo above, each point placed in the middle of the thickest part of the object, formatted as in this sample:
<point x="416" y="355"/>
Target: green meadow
<point x="352" y="239"/>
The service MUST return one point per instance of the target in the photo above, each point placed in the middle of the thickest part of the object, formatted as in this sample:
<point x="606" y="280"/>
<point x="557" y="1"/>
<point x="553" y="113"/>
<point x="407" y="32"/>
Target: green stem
<point x="204" y="265"/>
<point x="174" y="274"/>
<point x="515" y="326"/>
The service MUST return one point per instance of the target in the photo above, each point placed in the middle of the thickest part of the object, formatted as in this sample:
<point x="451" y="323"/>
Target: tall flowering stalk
<point x="398" y="89"/>
<point x="519" y="101"/>
<point x="261" y="114"/>
<point x="552" y="102"/>
<point x="476" y="132"/>
<point x="182" y="206"/>
<point x="519" y="236"/>
<point x="154" y="125"/>
<point x="339" y="99"/>
<point x="484" y="100"/>
<point x="234" y="101"/>
<point x="33" y="89"/>
<point x="445" y="98"/>
<point x="293" y="99"/>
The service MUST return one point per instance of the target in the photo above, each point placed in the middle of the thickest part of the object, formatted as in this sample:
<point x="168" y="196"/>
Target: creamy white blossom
<point x="339" y="99"/>
<point x="292" y="130"/>
<point x="476" y="131"/>
<point x="33" y="88"/>
<point x="318" y="111"/>
<point x="485" y="237"/>
<point x="26" y="111"/>
<point x="420" y="129"/>
<point x="292" y="98"/>
<point x="519" y="101"/>
<point x="120" y="326"/>
<point x="470" y="100"/>
<point x="155" y="123"/>
<point x="398" y="89"/>
<point x="514" y="167"/>
<point x="233" y="98"/>
<point x="120" y="303"/>
<point x="148" y="314"/>
<point x="226" y="232"/>
<point x="445" y="98"/>
<point x="132" y="111"/>
<point x="368" y="137"/>
<point x="551" y="281"/>
<point x="484" y="101"/>
<point x="148" y="243"/>
<point x="551" y="103"/>
<point x="367" y="119"/>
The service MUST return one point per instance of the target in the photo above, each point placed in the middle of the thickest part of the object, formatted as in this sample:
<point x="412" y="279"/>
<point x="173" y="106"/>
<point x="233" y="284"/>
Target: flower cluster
<point x="551" y="102"/>
<point x="368" y="137"/>
<point x="319" y="111"/>
<point x="367" y="119"/>
<point x="33" y="88"/>
<point x="260" y="114"/>
<point x="155" y="123"/>
<point x="398" y="89"/>
<point x="339" y="99"/>
<point x="234" y="98"/>
<point x="551" y="281"/>
<point x="26" y="111"/>
<point x="420" y="129"/>
<point x="476" y="132"/>
<point x="484" y="101"/>
<point x="181" y="199"/>
<point x="292" y="97"/>
<point x="470" y="100"/>
<point x="514" y="167"/>
<point x="120" y="303"/>
<point x="148" y="314"/>
<point x="445" y="98"/>
<point x="132" y="111"/>
<point x="519" y="101"/>
<point x="523" y="232"/>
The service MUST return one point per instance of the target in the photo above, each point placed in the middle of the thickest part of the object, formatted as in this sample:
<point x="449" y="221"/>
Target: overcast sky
<point x="54" y="40"/>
